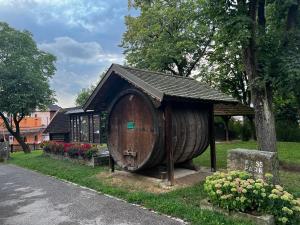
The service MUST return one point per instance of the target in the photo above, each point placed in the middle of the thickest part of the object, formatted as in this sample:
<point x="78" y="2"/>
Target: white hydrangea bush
<point x="239" y="191"/>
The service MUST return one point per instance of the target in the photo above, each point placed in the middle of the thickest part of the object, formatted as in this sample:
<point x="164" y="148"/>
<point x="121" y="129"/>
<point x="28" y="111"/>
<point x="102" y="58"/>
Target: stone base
<point x="182" y="177"/>
<point x="259" y="220"/>
<point x="4" y="151"/>
<point x="255" y="162"/>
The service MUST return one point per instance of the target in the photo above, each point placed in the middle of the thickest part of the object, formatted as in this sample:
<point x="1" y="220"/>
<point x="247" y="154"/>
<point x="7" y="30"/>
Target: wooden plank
<point x="169" y="143"/>
<point x="212" y="140"/>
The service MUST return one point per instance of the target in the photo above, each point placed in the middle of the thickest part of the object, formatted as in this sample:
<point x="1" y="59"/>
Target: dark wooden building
<point x="76" y="125"/>
<point x="58" y="128"/>
<point x="155" y="118"/>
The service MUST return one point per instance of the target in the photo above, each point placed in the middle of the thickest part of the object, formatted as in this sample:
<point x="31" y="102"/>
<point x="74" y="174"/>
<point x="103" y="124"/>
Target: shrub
<point x="239" y="191"/>
<point x="286" y="132"/>
<point x="45" y="146"/>
<point x="53" y="147"/>
<point x="86" y="151"/>
<point x="91" y="152"/>
<point x="74" y="151"/>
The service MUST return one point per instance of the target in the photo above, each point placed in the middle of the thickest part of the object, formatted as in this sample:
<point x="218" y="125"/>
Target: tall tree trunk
<point x="264" y="120"/>
<point x="261" y="92"/>
<point x="21" y="141"/>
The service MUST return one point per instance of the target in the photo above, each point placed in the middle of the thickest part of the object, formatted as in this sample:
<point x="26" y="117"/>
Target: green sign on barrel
<point x="130" y="125"/>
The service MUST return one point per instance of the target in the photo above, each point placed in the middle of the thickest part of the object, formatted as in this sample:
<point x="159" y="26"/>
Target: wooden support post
<point x="253" y="133"/>
<point x="169" y="143"/>
<point x="226" y="124"/>
<point x="111" y="164"/>
<point x="212" y="140"/>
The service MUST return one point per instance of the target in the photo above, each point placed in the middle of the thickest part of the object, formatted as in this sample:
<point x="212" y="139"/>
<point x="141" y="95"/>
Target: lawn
<point x="288" y="152"/>
<point x="182" y="203"/>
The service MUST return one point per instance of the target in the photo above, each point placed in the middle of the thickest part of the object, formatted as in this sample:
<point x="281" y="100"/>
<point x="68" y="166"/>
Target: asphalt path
<point x="30" y="198"/>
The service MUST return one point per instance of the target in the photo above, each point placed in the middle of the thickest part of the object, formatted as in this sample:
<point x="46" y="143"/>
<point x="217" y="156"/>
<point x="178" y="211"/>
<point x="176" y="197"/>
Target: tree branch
<point x="7" y="125"/>
<point x="200" y="54"/>
<point x="17" y="124"/>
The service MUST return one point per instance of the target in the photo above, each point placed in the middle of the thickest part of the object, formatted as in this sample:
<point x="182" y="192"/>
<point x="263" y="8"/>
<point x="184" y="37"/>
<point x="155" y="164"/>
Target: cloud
<point x="93" y="16"/>
<point x="69" y="50"/>
<point x="79" y="64"/>
<point x="83" y="34"/>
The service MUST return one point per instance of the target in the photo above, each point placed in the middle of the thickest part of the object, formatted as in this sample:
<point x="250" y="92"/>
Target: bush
<point x="286" y="132"/>
<point x="74" y="151"/>
<point x="91" y="152"/>
<point x="53" y="147"/>
<point x="86" y="151"/>
<point x="238" y="191"/>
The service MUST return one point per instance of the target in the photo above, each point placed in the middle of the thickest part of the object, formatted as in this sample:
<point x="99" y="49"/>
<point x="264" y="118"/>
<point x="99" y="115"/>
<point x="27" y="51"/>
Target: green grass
<point x="288" y="152"/>
<point x="182" y="203"/>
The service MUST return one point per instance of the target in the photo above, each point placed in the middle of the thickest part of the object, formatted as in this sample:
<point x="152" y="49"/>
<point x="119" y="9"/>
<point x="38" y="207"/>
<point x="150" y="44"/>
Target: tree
<point x="83" y="95"/>
<point x="259" y="28"/>
<point x="24" y="79"/>
<point x="169" y="35"/>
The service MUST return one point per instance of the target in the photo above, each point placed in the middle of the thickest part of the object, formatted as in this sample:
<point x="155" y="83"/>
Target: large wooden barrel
<point x="136" y="131"/>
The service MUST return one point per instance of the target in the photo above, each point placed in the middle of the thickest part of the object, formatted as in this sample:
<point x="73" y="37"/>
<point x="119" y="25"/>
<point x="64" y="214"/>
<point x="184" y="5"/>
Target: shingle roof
<point x="60" y="122"/>
<point x="161" y="85"/>
<point x="233" y="110"/>
<point x="53" y="108"/>
<point x="75" y="110"/>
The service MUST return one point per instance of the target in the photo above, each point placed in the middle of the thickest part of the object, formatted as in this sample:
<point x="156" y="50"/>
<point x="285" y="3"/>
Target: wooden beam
<point x="226" y="124"/>
<point x="169" y="143"/>
<point x="212" y="143"/>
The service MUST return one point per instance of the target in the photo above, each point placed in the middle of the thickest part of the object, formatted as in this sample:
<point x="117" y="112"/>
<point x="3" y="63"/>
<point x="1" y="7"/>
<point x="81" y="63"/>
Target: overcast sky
<point x="83" y="34"/>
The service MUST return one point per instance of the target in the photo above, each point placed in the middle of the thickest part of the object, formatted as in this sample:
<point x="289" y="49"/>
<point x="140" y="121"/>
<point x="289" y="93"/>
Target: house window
<point x="35" y="138"/>
<point x="74" y="129"/>
<point x="103" y="127"/>
<point x="96" y="128"/>
<point x="91" y="128"/>
<point x="84" y="129"/>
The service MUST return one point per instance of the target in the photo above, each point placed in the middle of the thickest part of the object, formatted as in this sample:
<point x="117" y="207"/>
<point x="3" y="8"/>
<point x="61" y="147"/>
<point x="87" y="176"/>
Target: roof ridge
<point x="156" y="72"/>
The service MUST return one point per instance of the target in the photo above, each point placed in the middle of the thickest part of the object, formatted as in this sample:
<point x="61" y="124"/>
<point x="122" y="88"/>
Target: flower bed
<point x="83" y="153"/>
<point x="238" y="191"/>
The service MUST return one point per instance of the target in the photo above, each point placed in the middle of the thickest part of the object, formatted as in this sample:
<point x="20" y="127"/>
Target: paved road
<point x="30" y="198"/>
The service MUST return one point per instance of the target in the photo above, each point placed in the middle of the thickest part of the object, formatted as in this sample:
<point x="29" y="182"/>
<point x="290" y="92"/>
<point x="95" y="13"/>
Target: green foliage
<point x="24" y="73"/>
<point x="84" y="95"/>
<point x="53" y="147"/>
<point x="91" y="152"/>
<point x="287" y="118"/>
<point x="285" y="132"/>
<point x="170" y="36"/>
<point x="24" y="78"/>
<point x="237" y="190"/>
<point x="287" y="110"/>
<point x="74" y="151"/>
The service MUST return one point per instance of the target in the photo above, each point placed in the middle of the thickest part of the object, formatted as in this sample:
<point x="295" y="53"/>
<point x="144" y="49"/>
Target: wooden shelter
<point x="76" y="125"/>
<point x="226" y="111"/>
<point x="155" y="118"/>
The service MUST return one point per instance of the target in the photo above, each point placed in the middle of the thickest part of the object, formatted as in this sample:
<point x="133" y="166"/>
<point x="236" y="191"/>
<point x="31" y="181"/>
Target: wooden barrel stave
<point x="190" y="132"/>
